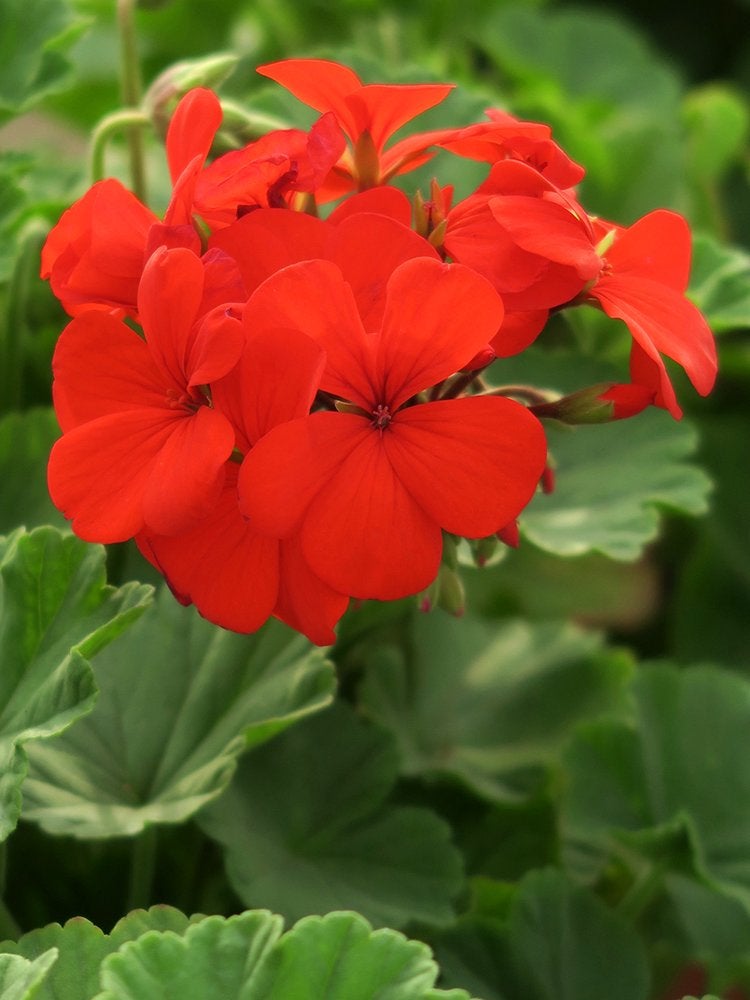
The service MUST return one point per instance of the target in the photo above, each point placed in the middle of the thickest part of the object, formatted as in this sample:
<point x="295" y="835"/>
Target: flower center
<point x="381" y="417"/>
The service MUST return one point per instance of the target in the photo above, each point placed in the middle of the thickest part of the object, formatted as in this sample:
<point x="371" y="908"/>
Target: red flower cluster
<point x="297" y="419"/>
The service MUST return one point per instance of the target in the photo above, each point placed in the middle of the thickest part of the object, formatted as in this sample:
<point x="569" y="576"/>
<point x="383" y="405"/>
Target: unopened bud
<point x="451" y="594"/>
<point x="480" y="360"/>
<point x="597" y="404"/>
<point x="484" y="549"/>
<point x="510" y="535"/>
<point x="165" y="93"/>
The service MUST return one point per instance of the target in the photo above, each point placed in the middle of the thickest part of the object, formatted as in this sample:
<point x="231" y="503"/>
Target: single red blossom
<point x="368" y="114"/>
<point x="642" y="281"/>
<point x="140" y="445"/>
<point x="370" y="488"/>
<point x="235" y="576"/>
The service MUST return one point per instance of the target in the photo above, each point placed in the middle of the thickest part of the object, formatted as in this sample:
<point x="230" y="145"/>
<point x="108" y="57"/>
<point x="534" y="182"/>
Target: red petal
<point x="188" y="473"/>
<point x="656" y="247"/>
<point x="101" y="366"/>
<point x="192" y="129"/>
<point x="168" y="299"/>
<point x="662" y="320"/>
<point x="98" y="472"/>
<point x="381" y="109"/>
<point x="380" y="200"/>
<point x="305" y="602"/>
<point x="472" y="464"/>
<point x="276" y="380"/>
<point x="314" y="298"/>
<point x="229" y="571"/>
<point x="426" y="336"/>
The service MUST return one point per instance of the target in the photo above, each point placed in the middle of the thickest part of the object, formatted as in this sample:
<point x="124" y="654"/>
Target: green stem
<point x="142" y="867"/>
<point x="646" y="887"/>
<point x="14" y="325"/>
<point x="128" y="118"/>
<point x="131" y="92"/>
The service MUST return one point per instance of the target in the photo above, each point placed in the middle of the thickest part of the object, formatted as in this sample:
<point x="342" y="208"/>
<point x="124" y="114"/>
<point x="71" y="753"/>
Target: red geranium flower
<point x="644" y="276"/>
<point x="370" y="489"/>
<point x="368" y="114"/>
<point x="140" y="447"/>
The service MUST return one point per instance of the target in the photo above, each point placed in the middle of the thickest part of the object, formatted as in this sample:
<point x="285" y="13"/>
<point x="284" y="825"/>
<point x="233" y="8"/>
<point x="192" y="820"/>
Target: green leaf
<point x="716" y="118"/>
<point x="557" y="942"/>
<point x="179" y="700"/>
<point x="670" y="786"/>
<point x="611" y="482"/>
<point x="82" y="947"/>
<point x="489" y="704"/>
<point x="25" y="442"/>
<point x="307" y="830"/>
<point x="21" y="979"/>
<point x="57" y="612"/>
<point x="32" y="43"/>
<point x="338" y="957"/>
<point x="720" y="284"/>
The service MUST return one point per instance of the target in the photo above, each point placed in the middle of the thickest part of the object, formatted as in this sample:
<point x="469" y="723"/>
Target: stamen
<point x="382" y="417"/>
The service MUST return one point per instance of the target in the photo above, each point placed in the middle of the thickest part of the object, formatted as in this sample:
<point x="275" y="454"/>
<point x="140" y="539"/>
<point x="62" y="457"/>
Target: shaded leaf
<point x="671" y="785"/>
<point x="489" y="704"/>
<point x="557" y="942"/>
<point x="720" y="284"/>
<point x="180" y="699"/>
<point x="307" y="830"/>
<point x="25" y="442"/>
<point x="57" y="612"/>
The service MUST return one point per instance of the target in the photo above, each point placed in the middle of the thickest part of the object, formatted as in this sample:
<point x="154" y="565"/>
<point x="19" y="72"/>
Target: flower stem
<point x="130" y="119"/>
<point x="130" y="83"/>
<point x="142" y="867"/>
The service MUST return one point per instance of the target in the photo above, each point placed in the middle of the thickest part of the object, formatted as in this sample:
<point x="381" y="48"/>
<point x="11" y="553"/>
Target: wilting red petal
<point x="426" y="336"/>
<point x="188" y="473"/>
<point x="98" y="472"/>
<point x="472" y="464"/>
<point x="101" y="366"/>
<point x="192" y="129"/>
<point x="305" y="602"/>
<point x="314" y="298"/>
<point x="229" y="571"/>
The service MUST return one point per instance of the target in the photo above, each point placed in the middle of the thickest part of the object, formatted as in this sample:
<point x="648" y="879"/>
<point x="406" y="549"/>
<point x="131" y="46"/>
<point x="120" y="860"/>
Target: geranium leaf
<point x="652" y="785"/>
<point x="557" y="942"/>
<point x="82" y="947"/>
<point x="330" y="841"/>
<point x="489" y="704"/>
<point x="338" y="957"/>
<point x="720" y="284"/>
<point x="32" y="61"/>
<point x="57" y="612"/>
<point x="21" y="979"/>
<point x="180" y="699"/>
<point x="25" y="442"/>
<point x="612" y="481"/>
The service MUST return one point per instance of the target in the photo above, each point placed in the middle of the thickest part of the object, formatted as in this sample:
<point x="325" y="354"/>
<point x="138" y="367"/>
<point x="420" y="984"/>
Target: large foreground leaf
<point x="671" y="788"/>
<point x="338" y="957"/>
<point x="489" y="704"/>
<point x="180" y="700"/>
<point x="21" y="979"/>
<point x="57" y="612"/>
<point x="306" y="829"/>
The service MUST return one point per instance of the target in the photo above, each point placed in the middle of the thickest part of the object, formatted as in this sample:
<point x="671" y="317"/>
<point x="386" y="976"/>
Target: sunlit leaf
<point x="21" y="979"/>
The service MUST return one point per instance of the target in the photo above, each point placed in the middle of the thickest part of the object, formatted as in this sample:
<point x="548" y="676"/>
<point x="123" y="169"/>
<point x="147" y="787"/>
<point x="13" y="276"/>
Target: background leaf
<point x="306" y="829"/>
<point x="486" y="704"/>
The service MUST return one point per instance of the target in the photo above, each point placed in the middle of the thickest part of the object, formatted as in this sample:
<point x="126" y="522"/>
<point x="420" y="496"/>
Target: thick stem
<point x="107" y="127"/>
<point x="130" y="83"/>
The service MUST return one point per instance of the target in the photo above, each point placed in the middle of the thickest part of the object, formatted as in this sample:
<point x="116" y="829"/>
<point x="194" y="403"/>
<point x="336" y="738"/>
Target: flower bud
<point x="164" y="94"/>
<point x="597" y="404"/>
